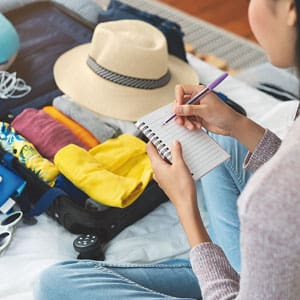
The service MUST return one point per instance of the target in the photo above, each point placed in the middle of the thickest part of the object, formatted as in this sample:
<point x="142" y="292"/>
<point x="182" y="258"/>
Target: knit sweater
<point x="269" y="212"/>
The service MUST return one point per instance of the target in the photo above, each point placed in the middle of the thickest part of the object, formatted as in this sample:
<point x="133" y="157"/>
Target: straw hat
<point x="124" y="73"/>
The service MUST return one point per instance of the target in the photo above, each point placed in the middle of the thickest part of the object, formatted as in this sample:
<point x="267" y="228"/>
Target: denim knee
<point x="52" y="283"/>
<point x="226" y="142"/>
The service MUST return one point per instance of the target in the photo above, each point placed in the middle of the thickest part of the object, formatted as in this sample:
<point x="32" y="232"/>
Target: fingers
<point x="176" y="152"/>
<point x="182" y="94"/>
<point x="185" y="92"/>
<point x="179" y="94"/>
<point x="154" y="177"/>
<point x="190" y="110"/>
<point x="152" y="152"/>
<point x="154" y="156"/>
<point x="177" y="156"/>
<point x="190" y="122"/>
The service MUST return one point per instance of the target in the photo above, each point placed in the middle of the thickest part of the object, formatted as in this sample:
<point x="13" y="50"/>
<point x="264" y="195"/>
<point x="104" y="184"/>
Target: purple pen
<point x="201" y="94"/>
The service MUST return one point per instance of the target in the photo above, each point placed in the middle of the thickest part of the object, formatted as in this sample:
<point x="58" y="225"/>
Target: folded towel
<point x="45" y="133"/>
<point x="114" y="175"/>
<point x="83" y="134"/>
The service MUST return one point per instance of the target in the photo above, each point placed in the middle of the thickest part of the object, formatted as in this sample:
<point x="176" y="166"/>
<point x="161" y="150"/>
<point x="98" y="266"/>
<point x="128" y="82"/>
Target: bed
<point x="156" y="237"/>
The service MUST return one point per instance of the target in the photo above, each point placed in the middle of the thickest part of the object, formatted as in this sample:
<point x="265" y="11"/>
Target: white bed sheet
<point x="156" y="237"/>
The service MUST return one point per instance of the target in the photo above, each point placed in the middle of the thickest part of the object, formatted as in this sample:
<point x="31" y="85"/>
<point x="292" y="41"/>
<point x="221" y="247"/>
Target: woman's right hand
<point x="211" y="113"/>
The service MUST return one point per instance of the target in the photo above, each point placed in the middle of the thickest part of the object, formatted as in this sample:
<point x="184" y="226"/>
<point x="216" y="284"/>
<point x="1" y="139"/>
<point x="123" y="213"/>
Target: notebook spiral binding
<point x="162" y="148"/>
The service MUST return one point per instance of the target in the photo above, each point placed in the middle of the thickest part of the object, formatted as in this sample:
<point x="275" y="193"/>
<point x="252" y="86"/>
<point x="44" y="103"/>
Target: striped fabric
<point x="138" y="83"/>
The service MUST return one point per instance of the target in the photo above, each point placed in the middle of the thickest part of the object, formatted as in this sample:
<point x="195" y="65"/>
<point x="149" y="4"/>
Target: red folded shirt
<point x="44" y="132"/>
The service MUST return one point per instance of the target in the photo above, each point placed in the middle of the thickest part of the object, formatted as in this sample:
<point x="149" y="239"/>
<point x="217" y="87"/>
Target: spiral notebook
<point x="201" y="153"/>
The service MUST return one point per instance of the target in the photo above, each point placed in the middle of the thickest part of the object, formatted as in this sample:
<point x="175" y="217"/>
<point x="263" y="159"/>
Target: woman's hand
<point x="176" y="179"/>
<point x="215" y="116"/>
<point x="177" y="182"/>
<point x="211" y="113"/>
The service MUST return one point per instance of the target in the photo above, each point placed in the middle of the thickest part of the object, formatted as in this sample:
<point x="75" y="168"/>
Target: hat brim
<point x="74" y="78"/>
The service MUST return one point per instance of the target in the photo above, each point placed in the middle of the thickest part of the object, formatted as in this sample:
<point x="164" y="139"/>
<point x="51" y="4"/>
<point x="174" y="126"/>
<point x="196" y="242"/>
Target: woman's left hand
<point x="176" y="179"/>
<point x="177" y="182"/>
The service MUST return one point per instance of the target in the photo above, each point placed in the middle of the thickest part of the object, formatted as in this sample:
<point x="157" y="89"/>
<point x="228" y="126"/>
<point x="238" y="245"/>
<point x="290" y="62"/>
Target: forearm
<point x="193" y="226"/>
<point x="214" y="273"/>
<point x="247" y="132"/>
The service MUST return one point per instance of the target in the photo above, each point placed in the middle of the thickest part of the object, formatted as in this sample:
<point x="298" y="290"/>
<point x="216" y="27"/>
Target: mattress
<point x="156" y="237"/>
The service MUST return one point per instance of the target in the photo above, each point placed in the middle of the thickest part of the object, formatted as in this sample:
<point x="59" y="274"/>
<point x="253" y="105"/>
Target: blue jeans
<point x="221" y="188"/>
<point x="173" y="279"/>
<point x="93" y="280"/>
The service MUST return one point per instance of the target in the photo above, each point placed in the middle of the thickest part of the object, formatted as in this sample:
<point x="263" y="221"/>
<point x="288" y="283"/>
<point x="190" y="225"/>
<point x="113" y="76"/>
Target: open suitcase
<point x="41" y="44"/>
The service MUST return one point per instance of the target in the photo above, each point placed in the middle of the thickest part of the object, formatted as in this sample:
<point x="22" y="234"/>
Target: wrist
<point x="193" y="226"/>
<point x="247" y="132"/>
<point x="237" y="127"/>
<point x="188" y="208"/>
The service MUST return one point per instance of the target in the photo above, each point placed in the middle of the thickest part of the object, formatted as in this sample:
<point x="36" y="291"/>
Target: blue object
<point x="9" y="40"/>
<point x="87" y="279"/>
<point x="231" y="103"/>
<point x="77" y="195"/>
<point x="11" y="185"/>
<point x="43" y="197"/>
<point x="45" y="201"/>
<point x="221" y="188"/>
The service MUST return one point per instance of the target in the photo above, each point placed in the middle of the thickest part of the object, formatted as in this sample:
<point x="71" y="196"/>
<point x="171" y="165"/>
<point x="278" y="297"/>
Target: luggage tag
<point x="11" y="185"/>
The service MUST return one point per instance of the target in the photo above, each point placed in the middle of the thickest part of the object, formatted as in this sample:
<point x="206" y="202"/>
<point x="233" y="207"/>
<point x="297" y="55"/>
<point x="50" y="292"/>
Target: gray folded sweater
<point x="102" y="127"/>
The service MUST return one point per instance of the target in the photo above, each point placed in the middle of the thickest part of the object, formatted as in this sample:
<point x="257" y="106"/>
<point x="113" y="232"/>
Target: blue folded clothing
<point x="172" y="31"/>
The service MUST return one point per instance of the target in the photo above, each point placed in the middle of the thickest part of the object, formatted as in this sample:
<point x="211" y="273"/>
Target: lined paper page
<point x="201" y="153"/>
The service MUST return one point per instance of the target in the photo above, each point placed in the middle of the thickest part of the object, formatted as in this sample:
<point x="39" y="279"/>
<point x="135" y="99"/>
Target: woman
<point x="269" y="206"/>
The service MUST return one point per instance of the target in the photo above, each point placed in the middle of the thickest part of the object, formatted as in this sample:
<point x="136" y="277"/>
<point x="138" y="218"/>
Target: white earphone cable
<point x="12" y="87"/>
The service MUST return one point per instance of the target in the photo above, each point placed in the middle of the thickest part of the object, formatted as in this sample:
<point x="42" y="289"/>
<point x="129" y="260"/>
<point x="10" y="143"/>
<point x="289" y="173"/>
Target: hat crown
<point x="130" y="47"/>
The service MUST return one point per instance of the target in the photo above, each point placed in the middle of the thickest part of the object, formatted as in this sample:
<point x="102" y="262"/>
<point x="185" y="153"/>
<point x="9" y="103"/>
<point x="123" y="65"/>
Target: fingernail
<point x="190" y="126"/>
